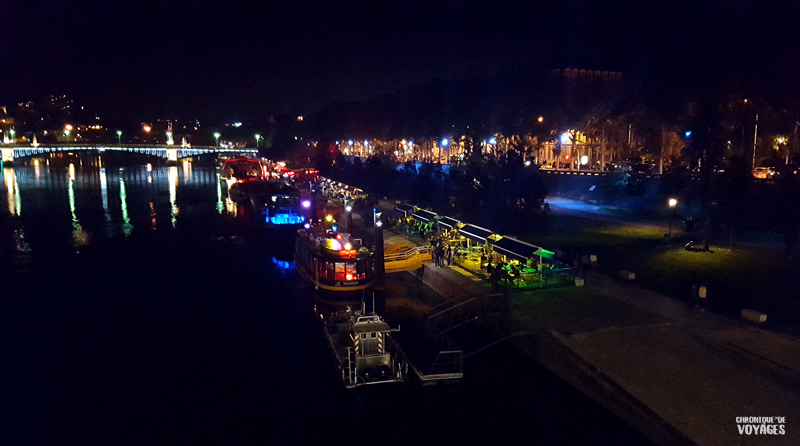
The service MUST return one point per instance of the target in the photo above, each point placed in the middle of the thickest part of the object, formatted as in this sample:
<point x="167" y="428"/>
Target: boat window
<point x="329" y="270"/>
<point x="350" y="271"/>
<point x="340" y="274"/>
<point x="373" y="335"/>
<point x="363" y="336"/>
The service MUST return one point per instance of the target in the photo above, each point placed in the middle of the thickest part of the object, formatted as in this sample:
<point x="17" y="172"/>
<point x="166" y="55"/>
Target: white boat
<point x="363" y="348"/>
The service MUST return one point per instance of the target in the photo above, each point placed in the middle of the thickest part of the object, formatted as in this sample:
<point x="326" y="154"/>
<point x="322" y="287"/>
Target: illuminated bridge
<point x="168" y="152"/>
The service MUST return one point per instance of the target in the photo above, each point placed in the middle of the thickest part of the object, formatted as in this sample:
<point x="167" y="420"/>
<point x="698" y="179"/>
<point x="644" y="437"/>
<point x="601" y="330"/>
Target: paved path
<point x="565" y="206"/>
<point x="700" y="371"/>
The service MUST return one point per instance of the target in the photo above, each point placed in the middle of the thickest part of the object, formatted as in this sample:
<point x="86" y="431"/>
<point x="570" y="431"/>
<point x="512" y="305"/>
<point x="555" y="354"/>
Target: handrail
<point x="413" y="252"/>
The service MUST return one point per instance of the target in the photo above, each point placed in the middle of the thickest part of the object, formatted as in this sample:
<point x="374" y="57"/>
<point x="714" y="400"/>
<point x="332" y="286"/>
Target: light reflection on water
<point x="12" y="189"/>
<point x="145" y="194"/>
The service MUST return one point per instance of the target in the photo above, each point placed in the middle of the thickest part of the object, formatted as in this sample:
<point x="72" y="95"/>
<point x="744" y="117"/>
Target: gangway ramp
<point x="409" y="259"/>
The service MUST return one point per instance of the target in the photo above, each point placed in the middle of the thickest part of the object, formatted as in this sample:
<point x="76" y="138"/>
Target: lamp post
<point x="380" y="267"/>
<point x="119" y="137"/>
<point x="672" y="203"/>
<point x="348" y="217"/>
<point x="216" y="137"/>
<point x="12" y="132"/>
<point x="258" y="137"/>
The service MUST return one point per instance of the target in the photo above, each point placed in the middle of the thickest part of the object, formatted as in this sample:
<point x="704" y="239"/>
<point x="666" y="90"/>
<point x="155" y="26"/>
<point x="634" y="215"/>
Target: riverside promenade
<point x="680" y="375"/>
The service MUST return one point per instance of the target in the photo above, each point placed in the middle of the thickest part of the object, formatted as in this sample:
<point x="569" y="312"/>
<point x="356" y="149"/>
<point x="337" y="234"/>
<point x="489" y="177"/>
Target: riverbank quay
<point x="679" y="375"/>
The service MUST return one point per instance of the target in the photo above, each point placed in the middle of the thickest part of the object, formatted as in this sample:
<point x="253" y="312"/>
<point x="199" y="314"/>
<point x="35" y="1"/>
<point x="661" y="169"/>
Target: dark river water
<point x="140" y="311"/>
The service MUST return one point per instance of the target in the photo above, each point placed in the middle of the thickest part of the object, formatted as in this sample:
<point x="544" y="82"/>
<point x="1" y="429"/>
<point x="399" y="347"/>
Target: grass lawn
<point x="575" y="310"/>
<point x="762" y="280"/>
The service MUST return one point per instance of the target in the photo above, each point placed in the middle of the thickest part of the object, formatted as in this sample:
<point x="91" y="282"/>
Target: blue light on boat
<point x="286" y="219"/>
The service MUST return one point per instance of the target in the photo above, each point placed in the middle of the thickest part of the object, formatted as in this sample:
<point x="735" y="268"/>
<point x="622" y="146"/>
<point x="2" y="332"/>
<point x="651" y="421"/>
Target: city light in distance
<point x="445" y="142"/>
<point x="541" y="119"/>
<point x="68" y="127"/>
<point x="146" y="129"/>
<point x="673" y="202"/>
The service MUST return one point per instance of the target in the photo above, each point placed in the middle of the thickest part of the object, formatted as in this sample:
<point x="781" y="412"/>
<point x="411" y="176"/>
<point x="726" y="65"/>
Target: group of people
<point x="411" y="227"/>
<point x="442" y="252"/>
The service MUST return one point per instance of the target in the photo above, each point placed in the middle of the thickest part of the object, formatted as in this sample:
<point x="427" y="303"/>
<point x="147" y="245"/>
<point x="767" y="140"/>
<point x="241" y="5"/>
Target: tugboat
<point x="363" y="348"/>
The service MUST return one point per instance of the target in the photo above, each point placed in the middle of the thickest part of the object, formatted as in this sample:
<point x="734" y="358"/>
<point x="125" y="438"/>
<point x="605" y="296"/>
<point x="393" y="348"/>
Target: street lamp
<point x="119" y="137"/>
<point x="672" y="203"/>
<point x="216" y="136"/>
<point x="348" y="208"/>
<point x="12" y="132"/>
<point x="258" y="137"/>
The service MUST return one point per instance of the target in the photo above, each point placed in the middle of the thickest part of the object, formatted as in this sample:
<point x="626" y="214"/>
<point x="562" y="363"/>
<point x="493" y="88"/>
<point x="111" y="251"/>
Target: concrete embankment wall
<point x="436" y="279"/>
<point x="547" y="348"/>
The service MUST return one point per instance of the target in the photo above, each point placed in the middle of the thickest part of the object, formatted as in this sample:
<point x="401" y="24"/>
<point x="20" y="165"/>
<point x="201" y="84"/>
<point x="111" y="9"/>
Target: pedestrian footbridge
<point x="403" y="257"/>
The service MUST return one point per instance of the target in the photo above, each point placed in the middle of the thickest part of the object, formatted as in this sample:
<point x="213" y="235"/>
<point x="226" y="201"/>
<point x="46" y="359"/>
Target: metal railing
<point x="477" y="308"/>
<point x="416" y="252"/>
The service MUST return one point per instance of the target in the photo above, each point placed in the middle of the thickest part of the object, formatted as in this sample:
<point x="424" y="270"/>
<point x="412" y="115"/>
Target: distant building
<point x="584" y="74"/>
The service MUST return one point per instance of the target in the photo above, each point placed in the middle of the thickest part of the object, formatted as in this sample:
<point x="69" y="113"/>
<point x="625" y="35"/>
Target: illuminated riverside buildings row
<point x="590" y="149"/>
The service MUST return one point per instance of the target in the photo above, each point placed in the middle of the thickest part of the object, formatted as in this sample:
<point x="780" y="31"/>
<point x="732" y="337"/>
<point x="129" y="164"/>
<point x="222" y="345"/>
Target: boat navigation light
<point x="329" y="218"/>
<point x="334" y="228"/>
<point x="347" y="246"/>
<point x="306" y="204"/>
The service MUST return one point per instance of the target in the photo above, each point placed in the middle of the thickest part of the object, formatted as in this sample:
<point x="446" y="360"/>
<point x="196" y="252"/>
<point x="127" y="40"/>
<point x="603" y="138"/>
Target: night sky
<point x="246" y="60"/>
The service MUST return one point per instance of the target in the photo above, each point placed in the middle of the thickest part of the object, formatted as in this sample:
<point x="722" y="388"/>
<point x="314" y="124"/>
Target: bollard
<point x="755" y="316"/>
